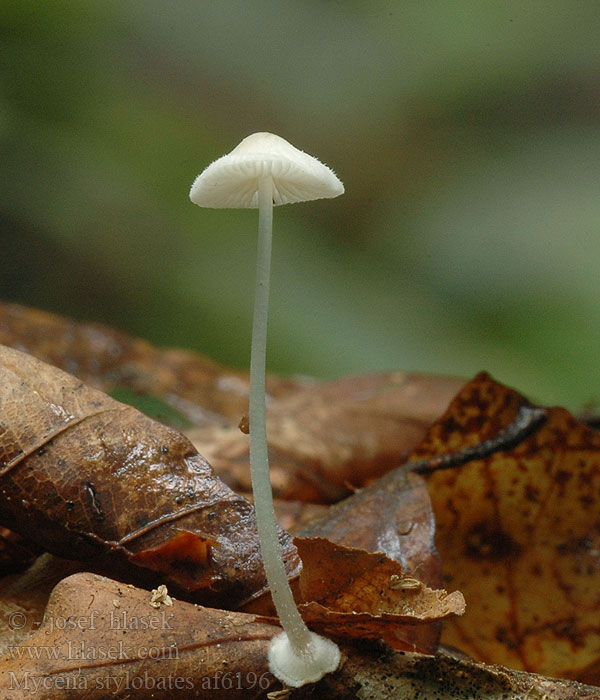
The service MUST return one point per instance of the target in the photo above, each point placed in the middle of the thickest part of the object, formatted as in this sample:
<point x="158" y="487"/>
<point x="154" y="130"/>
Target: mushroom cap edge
<point x="231" y="182"/>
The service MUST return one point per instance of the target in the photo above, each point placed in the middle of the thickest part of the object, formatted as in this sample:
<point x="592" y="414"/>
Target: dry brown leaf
<point x="325" y="438"/>
<point x="89" y="478"/>
<point x="519" y="530"/>
<point x="105" y="358"/>
<point x="88" y="647"/>
<point x="295" y="515"/>
<point x="393" y="515"/>
<point x="23" y="597"/>
<point x="16" y="552"/>
<point x="347" y="592"/>
<point x="353" y="580"/>
<point x="376" y="674"/>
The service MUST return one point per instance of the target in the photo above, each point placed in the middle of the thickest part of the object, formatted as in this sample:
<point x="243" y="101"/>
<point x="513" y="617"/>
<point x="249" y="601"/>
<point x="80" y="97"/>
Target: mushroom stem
<point x="292" y="623"/>
<point x="268" y="166"/>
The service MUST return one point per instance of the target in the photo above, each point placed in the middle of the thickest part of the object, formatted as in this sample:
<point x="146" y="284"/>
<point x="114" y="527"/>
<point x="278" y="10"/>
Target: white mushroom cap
<point x="231" y="182"/>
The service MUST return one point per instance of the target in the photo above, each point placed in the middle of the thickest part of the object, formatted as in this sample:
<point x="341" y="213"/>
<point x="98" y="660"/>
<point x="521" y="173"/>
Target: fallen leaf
<point x="87" y="649"/>
<point x="89" y="478"/>
<point x="16" y="552"/>
<point x="108" y="359"/>
<point x="518" y="528"/>
<point x="185" y="558"/>
<point x="23" y="597"/>
<point x="393" y="515"/>
<point x="294" y="515"/>
<point x="348" y="592"/>
<point x="377" y="674"/>
<point x="326" y="438"/>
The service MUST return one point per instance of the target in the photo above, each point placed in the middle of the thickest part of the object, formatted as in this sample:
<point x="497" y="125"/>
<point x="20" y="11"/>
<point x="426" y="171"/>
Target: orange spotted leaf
<point x="518" y="529"/>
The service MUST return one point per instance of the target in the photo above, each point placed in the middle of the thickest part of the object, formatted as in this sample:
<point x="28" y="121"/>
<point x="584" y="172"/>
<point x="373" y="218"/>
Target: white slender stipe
<point x="261" y="171"/>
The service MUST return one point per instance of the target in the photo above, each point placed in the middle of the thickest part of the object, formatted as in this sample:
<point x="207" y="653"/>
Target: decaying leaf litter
<point x="377" y="398"/>
<point x="519" y="533"/>
<point x="342" y="434"/>
<point x="91" y="478"/>
<point x="76" y="512"/>
<point x="205" y="653"/>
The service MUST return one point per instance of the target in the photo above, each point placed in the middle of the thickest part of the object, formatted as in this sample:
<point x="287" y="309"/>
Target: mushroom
<point x="262" y="171"/>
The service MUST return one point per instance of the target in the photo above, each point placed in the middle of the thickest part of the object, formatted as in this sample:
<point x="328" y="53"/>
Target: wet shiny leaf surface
<point x="89" y="478"/>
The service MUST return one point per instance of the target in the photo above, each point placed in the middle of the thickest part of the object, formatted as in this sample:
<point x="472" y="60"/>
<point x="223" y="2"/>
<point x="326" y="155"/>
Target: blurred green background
<point x="466" y="133"/>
